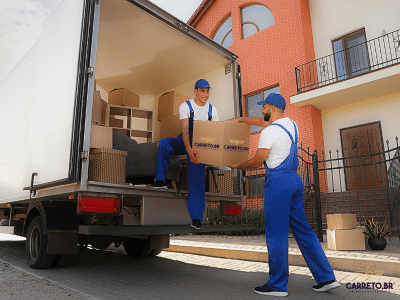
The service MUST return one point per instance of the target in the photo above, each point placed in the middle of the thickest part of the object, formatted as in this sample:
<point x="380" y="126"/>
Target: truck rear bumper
<point x="130" y="231"/>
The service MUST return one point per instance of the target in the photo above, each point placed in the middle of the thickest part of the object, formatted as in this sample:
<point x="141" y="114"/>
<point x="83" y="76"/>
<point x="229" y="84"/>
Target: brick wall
<point x="269" y="57"/>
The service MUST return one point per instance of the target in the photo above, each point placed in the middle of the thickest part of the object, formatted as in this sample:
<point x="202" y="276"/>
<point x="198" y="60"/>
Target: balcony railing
<point x="363" y="58"/>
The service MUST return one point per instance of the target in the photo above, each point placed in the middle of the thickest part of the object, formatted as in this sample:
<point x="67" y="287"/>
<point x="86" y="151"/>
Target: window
<point x="253" y="109"/>
<point x="351" y="55"/>
<point x="223" y="34"/>
<point x="255" y="17"/>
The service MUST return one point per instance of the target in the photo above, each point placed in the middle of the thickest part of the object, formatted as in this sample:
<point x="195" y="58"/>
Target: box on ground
<point x="341" y="221"/>
<point x="168" y="104"/>
<point x="107" y="165"/>
<point x="221" y="144"/>
<point x="123" y="96"/>
<point x="99" y="109"/>
<point x="170" y="127"/>
<point x="101" y="137"/>
<point x="346" y="239"/>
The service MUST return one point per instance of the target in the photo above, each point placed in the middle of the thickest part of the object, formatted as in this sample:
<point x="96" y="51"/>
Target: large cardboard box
<point x="221" y="144"/>
<point x="101" y="137"/>
<point x="99" y="109"/>
<point x="341" y="221"/>
<point x="346" y="239"/>
<point x="168" y="104"/>
<point x="123" y="96"/>
<point x="170" y="127"/>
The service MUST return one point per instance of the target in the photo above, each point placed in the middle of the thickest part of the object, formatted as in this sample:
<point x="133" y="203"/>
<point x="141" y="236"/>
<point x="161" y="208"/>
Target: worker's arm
<point x="255" y="162"/>
<point x="185" y="136"/>
<point x="257" y="121"/>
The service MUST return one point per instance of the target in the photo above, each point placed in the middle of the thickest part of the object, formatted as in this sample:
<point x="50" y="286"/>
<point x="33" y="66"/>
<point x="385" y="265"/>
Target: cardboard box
<point x="221" y="144"/>
<point x="99" y="109"/>
<point x="170" y="127"/>
<point x="123" y="96"/>
<point x="341" y="221"/>
<point x="101" y="137"/>
<point x="346" y="239"/>
<point x="168" y="104"/>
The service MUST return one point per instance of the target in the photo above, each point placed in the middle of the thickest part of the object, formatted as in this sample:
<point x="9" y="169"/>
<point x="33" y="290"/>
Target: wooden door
<point x="362" y="149"/>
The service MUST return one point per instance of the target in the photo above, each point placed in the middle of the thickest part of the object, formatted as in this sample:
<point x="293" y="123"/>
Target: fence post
<point x="317" y="194"/>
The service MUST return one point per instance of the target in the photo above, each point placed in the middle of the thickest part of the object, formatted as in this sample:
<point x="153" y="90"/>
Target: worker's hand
<point x="233" y="121"/>
<point x="235" y="166"/>
<point x="193" y="156"/>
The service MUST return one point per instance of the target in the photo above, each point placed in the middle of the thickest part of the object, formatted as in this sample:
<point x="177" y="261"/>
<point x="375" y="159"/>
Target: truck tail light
<point x="233" y="210"/>
<point x="99" y="205"/>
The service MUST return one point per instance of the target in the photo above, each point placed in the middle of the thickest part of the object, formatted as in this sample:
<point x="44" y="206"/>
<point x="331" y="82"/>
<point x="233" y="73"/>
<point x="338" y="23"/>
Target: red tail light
<point x="233" y="210"/>
<point x="99" y="205"/>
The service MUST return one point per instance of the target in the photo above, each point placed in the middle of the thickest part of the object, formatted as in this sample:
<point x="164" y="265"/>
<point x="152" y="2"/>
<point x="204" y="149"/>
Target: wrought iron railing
<point x="363" y="58"/>
<point x="333" y="183"/>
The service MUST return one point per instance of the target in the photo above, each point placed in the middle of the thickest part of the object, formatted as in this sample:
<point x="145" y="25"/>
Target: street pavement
<point x="113" y="275"/>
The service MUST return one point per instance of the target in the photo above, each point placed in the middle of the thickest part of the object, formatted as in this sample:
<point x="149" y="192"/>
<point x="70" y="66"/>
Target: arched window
<point x="223" y="34"/>
<point x="255" y="17"/>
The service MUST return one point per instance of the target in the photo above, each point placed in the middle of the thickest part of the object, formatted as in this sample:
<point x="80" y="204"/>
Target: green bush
<point x="253" y="217"/>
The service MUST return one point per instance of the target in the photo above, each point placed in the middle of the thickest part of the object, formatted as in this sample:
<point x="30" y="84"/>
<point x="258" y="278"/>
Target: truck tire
<point x="36" y="246"/>
<point x="155" y="252"/>
<point x="137" y="247"/>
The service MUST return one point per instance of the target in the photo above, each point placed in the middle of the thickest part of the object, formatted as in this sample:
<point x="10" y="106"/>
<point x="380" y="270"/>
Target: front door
<point x="364" y="160"/>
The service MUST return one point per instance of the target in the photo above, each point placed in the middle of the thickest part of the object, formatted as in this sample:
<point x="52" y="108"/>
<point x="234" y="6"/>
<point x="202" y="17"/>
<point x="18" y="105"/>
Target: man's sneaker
<point x="326" y="286"/>
<point x="159" y="184"/>
<point x="196" y="223"/>
<point x="266" y="290"/>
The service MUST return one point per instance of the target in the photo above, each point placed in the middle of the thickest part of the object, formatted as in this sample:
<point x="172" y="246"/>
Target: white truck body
<point x="46" y="107"/>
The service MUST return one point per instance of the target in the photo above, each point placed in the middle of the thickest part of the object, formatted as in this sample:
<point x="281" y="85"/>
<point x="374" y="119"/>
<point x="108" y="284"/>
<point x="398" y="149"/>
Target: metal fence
<point x="360" y="59"/>
<point x="367" y="185"/>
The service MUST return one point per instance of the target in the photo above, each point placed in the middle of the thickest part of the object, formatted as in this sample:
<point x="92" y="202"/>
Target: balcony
<point x="364" y="71"/>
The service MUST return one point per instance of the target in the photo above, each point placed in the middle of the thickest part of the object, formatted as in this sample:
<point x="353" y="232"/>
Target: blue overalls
<point x="196" y="183"/>
<point x="283" y="205"/>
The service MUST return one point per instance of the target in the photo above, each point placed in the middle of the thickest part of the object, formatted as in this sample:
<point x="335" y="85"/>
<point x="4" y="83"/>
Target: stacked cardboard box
<point x="99" y="109"/>
<point x="168" y="113"/>
<point x="343" y="233"/>
<point x="123" y="96"/>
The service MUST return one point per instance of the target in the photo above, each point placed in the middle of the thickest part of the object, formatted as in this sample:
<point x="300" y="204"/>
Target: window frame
<point x="261" y="91"/>
<point x="250" y="22"/>
<point x="219" y="26"/>
<point x="344" y="42"/>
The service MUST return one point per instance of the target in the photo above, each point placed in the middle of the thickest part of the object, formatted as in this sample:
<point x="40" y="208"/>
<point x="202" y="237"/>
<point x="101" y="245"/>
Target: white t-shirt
<point x="278" y="141"/>
<point x="200" y="112"/>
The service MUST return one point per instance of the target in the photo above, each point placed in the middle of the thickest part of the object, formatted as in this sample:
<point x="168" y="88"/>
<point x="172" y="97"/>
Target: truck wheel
<point x="155" y="252"/>
<point x="137" y="247"/>
<point x="101" y="244"/>
<point x="36" y="246"/>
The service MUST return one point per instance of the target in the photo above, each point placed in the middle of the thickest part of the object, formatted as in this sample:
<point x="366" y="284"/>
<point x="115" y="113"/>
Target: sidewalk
<point x="253" y="248"/>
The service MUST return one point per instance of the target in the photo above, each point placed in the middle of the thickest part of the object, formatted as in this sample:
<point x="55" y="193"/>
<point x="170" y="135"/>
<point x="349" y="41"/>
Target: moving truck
<point x="46" y="105"/>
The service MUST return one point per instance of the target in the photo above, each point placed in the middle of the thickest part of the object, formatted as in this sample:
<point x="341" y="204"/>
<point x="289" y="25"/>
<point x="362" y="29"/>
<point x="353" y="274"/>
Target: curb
<point x="340" y="263"/>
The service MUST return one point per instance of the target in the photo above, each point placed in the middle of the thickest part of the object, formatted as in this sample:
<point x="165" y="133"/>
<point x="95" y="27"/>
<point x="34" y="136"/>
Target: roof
<point x="200" y="12"/>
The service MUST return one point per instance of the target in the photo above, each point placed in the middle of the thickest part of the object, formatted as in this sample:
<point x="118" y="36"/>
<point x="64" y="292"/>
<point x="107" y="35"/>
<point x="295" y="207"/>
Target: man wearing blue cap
<point x="283" y="200"/>
<point x="194" y="109"/>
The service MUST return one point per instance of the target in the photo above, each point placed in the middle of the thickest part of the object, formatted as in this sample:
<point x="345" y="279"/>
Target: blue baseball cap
<point x="274" y="99"/>
<point x="202" y="84"/>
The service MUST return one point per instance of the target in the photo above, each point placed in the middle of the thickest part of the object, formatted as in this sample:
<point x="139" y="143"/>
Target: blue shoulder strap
<point x="291" y="137"/>
<point x="209" y="112"/>
<point x="190" y="108"/>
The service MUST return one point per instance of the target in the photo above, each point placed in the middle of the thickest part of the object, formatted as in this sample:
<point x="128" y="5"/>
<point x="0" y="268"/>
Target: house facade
<point x="336" y="62"/>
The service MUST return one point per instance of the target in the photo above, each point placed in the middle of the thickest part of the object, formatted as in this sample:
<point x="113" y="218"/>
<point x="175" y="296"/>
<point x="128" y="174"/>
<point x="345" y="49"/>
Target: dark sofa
<point x="141" y="161"/>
